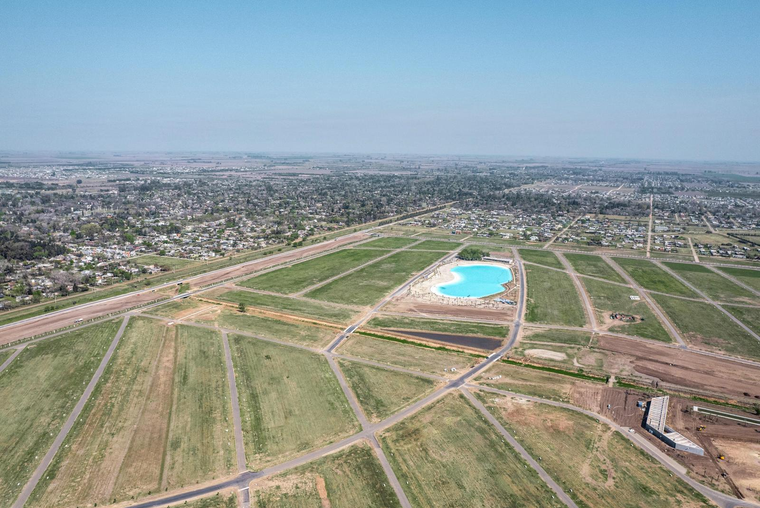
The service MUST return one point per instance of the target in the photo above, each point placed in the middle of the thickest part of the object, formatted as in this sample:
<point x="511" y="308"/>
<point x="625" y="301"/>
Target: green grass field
<point x="218" y="500"/>
<point x="552" y="298"/>
<point x="5" y="354"/>
<point x="369" y="284"/>
<point x="290" y="401"/>
<point x="703" y="324"/>
<point x="163" y="261"/>
<point x="594" y="266"/>
<point x="435" y="325"/>
<point x="166" y="407"/>
<point x="713" y="285"/>
<point x="652" y="277"/>
<point x="296" y="307"/>
<point x="557" y="336"/>
<point x="594" y="465"/>
<point x="541" y="257"/>
<point x="438" y="245"/>
<point x="536" y="383"/>
<point x="350" y="478"/>
<point x="383" y="392"/>
<point x="748" y="277"/>
<point x="750" y="316"/>
<point x="446" y="455"/>
<point x="38" y="391"/>
<point x="387" y="243"/>
<point x="407" y="356"/>
<point x="177" y="307"/>
<point x="270" y="328"/>
<point x="608" y="298"/>
<point x="297" y="277"/>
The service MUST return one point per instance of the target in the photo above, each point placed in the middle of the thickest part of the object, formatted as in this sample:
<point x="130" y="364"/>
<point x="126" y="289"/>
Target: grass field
<point x="163" y="261"/>
<point x="297" y="307"/>
<point x="369" y="284"/>
<point x="557" y="336"/>
<point x="167" y="415"/>
<point x="439" y="245"/>
<point x="290" y="401"/>
<point x="406" y="356"/>
<point x="446" y="455"/>
<point x="38" y="391"/>
<point x="552" y="298"/>
<point x="713" y="285"/>
<point x="388" y="243"/>
<point x="383" y="392"/>
<point x="298" y="333"/>
<point x="177" y="308"/>
<point x="297" y="277"/>
<point x="218" y="500"/>
<point x="750" y="316"/>
<point x="528" y="381"/>
<point x="541" y="257"/>
<point x="608" y="298"/>
<point x="349" y="478"/>
<point x="594" y="266"/>
<point x="434" y="325"/>
<point x="592" y="463"/>
<point x="652" y="277"/>
<point x="5" y="354"/>
<point x="749" y="277"/>
<point x="703" y="324"/>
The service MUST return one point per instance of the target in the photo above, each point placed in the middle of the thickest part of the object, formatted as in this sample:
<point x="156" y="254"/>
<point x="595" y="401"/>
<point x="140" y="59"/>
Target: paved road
<point x="518" y="447"/>
<point x="581" y="290"/>
<point x="237" y="423"/>
<point x="734" y="280"/>
<point x="37" y="475"/>
<point x="389" y="473"/>
<point x="11" y="358"/>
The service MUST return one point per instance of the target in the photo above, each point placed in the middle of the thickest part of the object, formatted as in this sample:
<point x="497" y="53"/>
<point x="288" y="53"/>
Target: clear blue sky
<point x="650" y="79"/>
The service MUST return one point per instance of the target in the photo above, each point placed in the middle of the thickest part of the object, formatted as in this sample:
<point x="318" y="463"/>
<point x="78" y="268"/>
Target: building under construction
<point x="657" y="414"/>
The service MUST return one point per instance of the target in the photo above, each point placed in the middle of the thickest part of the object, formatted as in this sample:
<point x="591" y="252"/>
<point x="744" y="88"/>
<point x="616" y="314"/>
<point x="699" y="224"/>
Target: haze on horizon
<point x="670" y="80"/>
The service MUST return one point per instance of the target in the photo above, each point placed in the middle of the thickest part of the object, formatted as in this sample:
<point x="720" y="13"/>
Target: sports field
<point x="297" y="277"/>
<point x="712" y="284"/>
<point x="290" y="401"/>
<point x="541" y="257"/>
<point x="652" y="277"/>
<point x="349" y="478"/>
<point x="593" y="463"/>
<point x="471" y="465"/>
<point x="369" y="284"/>
<point x="38" y="391"/>
<point x="552" y="298"/>
<point x="593" y="266"/>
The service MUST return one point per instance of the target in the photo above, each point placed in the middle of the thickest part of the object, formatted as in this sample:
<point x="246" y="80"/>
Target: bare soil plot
<point x="387" y="243"/>
<point x="703" y="325"/>
<point x="347" y="479"/>
<point x="434" y="325"/>
<point x="287" y="331"/>
<point x="542" y="257"/>
<point x="749" y="277"/>
<point x="652" y="277"/>
<point x="438" y="245"/>
<point x="295" y="306"/>
<point x="160" y="418"/>
<point x="383" y="392"/>
<point x="407" y="305"/>
<point x="552" y="298"/>
<point x="294" y="278"/>
<point x="713" y="285"/>
<point x="594" y="266"/>
<point x="742" y="463"/>
<point x="608" y="299"/>
<point x="38" y="391"/>
<point x="369" y="284"/>
<point x="290" y="401"/>
<point x="447" y="455"/>
<point x="407" y="356"/>
<point x="593" y="463"/>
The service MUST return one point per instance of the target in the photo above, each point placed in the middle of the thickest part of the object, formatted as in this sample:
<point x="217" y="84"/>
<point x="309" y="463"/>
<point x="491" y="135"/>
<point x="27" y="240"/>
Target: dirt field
<point x="742" y="464"/>
<point x="687" y="369"/>
<point x="419" y="309"/>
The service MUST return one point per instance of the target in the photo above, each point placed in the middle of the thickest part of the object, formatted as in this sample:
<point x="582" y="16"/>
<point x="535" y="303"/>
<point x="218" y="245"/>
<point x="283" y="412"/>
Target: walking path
<point x="581" y="291"/>
<point x="12" y="357"/>
<point x="693" y="252"/>
<point x="236" y="421"/>
<point x="42" y="467"/>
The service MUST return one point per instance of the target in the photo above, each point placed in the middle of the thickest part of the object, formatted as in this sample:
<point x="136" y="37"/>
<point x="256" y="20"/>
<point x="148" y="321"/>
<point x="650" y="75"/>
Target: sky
<point x="629" y="79"/>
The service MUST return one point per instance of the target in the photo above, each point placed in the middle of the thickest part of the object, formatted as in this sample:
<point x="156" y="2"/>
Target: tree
<point x="473" y="254"/>
<point x="241" y="307"/>
<point x="90" y="230"/>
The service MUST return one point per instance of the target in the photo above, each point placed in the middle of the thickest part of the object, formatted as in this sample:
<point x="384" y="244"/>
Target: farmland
<point x="593" y="463"/>
<point x="297" y="277"/>
<point x="593" y="266"/>
<point x="382" y="392"/>
<point x="652" y="277"/>
<point x="369" y="284"/>
<point x="712" y="284"/>
<point x="434" y="325"/>
<point x="552" y="298"/>
<point x="39" y="389"/>
<point x="290" y="401"/>
<point x="472" y="466"/>
<point x="541" y="257"/>
<point x="350" y="478"/>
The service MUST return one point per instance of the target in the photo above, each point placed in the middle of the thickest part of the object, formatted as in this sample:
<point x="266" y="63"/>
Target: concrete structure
<point x="656" y="417"/>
